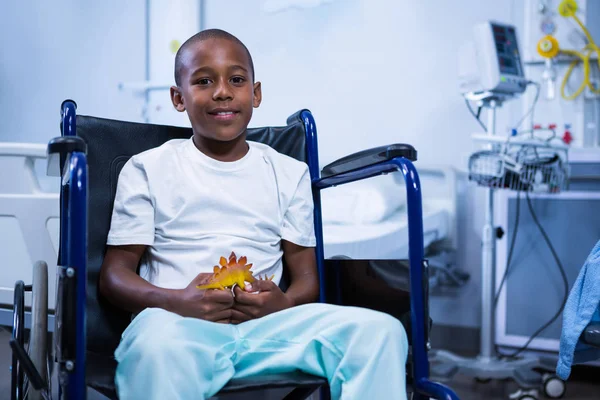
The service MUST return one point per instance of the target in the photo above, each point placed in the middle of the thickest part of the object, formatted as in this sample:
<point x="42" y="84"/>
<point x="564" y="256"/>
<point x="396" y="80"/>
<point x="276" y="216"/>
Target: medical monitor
<point x="492" y="61"/>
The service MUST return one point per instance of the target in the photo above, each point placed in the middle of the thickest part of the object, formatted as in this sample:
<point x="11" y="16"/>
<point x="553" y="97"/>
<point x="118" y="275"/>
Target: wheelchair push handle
<point x="68" y="110"/>
<point x="59" y="147"/>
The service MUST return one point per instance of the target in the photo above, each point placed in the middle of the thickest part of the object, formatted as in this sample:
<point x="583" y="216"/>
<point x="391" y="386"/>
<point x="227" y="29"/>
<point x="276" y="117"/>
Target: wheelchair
<point x="89" y="155"/>
<point x="591" y="334"/>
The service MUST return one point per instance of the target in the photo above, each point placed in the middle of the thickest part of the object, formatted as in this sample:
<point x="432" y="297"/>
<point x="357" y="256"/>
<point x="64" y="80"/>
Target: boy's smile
<point x="217" y="91"/>
<point x="224" y="114"/>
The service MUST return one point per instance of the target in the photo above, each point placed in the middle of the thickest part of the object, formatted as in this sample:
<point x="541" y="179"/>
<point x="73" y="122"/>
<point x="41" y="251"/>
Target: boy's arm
<point x="298" y="243"/>
<point x="122" y="286"/>
<point x="302" y="266"/>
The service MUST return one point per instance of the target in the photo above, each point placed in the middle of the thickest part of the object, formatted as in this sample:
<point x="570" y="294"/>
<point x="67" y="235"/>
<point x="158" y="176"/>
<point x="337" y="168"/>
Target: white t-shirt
<point x="191" y="209"/>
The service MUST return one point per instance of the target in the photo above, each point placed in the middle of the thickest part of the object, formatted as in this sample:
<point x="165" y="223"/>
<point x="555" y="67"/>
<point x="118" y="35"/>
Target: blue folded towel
<point x="582" y="308"/>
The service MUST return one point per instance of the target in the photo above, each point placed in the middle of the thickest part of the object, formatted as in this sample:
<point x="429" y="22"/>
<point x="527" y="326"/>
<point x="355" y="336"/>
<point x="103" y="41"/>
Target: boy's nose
<point x="222" y="92"/>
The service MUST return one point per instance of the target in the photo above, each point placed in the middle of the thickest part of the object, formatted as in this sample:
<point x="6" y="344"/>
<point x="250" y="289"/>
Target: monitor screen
<point x="509" y="59"/>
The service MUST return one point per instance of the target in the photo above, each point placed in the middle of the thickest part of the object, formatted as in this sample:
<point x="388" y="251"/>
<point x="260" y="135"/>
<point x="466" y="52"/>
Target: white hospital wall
<point x="377" y="72"/>
<point x="373" y="72"/>
<point x="53" y="50"/>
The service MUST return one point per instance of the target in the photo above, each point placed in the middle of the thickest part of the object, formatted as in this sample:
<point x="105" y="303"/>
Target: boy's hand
<point x="210" y="305"/>
<point x="268" y="300"/>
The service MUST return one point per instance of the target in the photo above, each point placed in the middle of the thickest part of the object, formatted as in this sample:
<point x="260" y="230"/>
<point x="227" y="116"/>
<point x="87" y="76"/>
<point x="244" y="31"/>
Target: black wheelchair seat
<point x="101" y="371"/>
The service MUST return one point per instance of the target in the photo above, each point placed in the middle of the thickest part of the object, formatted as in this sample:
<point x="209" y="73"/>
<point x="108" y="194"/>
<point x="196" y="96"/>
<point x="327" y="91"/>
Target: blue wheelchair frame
<point x="73" y="252"/>
<point x="72" y="261"/>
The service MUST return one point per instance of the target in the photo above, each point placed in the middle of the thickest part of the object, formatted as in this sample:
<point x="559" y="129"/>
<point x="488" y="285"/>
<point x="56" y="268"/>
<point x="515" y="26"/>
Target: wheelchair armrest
<point x="591" y="334"/>
<point x="369" y="157"/>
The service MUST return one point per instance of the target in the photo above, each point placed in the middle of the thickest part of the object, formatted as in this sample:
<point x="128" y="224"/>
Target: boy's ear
<point x="177" y="99"/>
<point x="257" y="95"/>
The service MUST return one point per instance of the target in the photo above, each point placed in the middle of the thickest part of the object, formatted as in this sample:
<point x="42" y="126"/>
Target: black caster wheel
<point x="524" y="394"/>
<point x="553" y="387"/>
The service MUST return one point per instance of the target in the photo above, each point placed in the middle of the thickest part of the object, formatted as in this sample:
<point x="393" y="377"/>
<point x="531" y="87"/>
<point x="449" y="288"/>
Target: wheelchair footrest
<point x="591" y="334"/>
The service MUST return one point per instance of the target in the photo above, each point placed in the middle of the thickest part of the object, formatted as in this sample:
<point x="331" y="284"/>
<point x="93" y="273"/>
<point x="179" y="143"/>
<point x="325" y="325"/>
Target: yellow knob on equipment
<point x="547" y="47"/>
<point x="174" y="45"/>
<point x="567" y="8"/>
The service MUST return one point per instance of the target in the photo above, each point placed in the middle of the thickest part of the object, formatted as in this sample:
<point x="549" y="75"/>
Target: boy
<point x="184" y="205"/>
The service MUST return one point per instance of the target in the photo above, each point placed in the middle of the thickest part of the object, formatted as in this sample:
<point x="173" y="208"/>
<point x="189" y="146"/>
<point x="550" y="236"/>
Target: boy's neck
<point x="222" y="151"/>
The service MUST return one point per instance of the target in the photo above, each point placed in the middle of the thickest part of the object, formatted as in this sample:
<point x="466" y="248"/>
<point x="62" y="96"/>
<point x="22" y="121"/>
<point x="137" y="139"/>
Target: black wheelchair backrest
<point x="110" y="144"/>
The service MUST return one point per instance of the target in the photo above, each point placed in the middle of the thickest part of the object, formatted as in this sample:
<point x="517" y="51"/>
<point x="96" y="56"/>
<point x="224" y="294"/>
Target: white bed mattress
<point x="387" y="239"/>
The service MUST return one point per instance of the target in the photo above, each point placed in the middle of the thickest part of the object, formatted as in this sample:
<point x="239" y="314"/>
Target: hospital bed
<point x="29" y="215"/>
<point x="90" y="154"/>
<point x="368" y="219"/>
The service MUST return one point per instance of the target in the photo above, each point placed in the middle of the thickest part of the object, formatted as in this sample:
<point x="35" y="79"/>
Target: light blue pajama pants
<point x="361" y="352"/>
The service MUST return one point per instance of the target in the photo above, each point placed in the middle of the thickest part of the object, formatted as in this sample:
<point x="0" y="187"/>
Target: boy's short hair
<point x="203" y="35"/>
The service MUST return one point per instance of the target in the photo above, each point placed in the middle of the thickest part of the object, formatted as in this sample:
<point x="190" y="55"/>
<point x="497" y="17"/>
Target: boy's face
<point x="216" y="89"/>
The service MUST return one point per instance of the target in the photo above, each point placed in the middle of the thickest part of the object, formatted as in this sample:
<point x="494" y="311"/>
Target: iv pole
<point x="488" y="259"/>
<point x="486" y="365"/>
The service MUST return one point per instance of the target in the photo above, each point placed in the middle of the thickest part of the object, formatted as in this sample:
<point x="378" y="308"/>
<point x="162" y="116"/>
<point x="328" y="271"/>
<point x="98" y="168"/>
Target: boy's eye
<point x="237" y="79"/>
<point x="203" y="81"/>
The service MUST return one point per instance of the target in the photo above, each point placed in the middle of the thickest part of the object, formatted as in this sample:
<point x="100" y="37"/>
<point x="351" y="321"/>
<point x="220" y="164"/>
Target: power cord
<point x="510" y="251"/>
<point x="532" y="108"/>
<point x="476" y="116"/>
<point x="529" y="112"/>
<point x="563" y="275"/>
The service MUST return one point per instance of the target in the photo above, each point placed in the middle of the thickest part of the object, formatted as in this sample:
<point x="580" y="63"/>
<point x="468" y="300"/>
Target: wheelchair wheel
<point x="37" y="349"/>
<point x="18" y="333"/>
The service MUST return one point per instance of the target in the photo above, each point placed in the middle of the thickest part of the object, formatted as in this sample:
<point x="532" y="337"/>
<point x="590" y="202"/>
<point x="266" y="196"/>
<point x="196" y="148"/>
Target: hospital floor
<point x="580" y="388"/>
